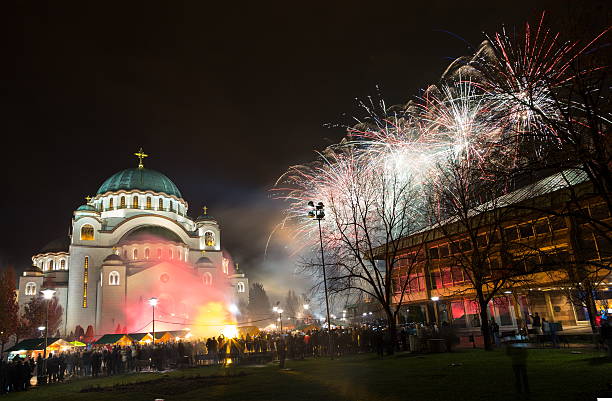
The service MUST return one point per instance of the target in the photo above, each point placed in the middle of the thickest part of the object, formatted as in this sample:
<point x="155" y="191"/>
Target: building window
<point x="110" y="204"/>
<point x="161" y="204"/>
<point x="122" y="203"/>
<point x="209" y="238"/>
<point x="146" y="253"/>
<point x="63" y="264"/>
<point x="207" y="278"/>
<point x="171" y="206"/>
<point x="135" y="254"/>
<point x="225" y="265"/>
<point x="87" y="232"/>
<point x="30" y="288"/>
<point x="113" y="278"/>
<point x="85" y="280"/>
<point x="170" y="254"/>
<point x="135" y="202"/>
<point x="50" y="265"/>
<point x="240" y="286"/>
<point x="148" y="203"/>
<point x="125" y="254"/>
<point x="159" y="253"/>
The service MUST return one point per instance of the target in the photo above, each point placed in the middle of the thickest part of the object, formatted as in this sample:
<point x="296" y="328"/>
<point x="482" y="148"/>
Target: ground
<point x="464" y="375"/>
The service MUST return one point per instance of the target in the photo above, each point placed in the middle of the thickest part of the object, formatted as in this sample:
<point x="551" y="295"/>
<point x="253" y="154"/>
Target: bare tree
<point x="472" y="214"/>
<point x="369" y="213"/>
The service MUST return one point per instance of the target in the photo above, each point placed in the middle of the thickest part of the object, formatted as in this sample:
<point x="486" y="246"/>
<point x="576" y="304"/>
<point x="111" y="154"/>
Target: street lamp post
<point x="153" y="303"/>
<point x="437" y="317"/>
<point x="280" y="319"/>
<point x="318" y="212"/>
<point x="47" y="295"/>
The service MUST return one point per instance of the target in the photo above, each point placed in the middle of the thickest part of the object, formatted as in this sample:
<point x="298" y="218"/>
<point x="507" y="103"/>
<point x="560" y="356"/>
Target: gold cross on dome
<point x="140" y="155"/>
<point x="205" y="209"/>
<point x="88" y="198"/>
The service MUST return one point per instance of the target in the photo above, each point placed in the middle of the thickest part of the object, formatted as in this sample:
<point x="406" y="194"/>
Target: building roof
<point x="548" y="185"/>
<point x="138" y="336"/>
<point x="32" y="344"/>
<point x="141" y="179"/>
<point x="109" y="339"/>
<point x="57" y="245"/>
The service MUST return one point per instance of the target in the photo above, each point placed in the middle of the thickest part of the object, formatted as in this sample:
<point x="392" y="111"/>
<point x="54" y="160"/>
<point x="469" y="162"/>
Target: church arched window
<point x="113" y="278"/>
<point x="87" y="232"/>
<point x="147" y="253"/>
<point x="240" y="286"/>
<point x="63" y="264"/>
<point x="161" y="204"/>
<point x="225" y="265"/>
<point x="170" y="253"/>
<point x="149" y="203"/>
<point x="159" y="253"/>
<point x="207" y="278"/>
<point x="125" y="254"/>
<point x="135" y="202"/>
<point x="135" y="254"/>
<point x="30" y="288"/>
<point x="50" y="266"/>
<point x="110" y="204"/>
<point x="209" y="238"/>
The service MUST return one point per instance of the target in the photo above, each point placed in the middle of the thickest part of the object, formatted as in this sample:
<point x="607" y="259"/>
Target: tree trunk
<point x="392" y="332"/>
<point x="484" y="323"/>
<point x="591" y="310"/>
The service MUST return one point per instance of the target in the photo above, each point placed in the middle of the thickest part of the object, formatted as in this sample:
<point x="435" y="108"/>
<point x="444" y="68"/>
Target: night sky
<point x="224" y="98"/>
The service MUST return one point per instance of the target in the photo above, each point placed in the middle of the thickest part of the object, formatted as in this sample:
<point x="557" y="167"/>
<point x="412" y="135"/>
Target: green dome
<point x="87" y="208"/>
<point x="142" y="179"/>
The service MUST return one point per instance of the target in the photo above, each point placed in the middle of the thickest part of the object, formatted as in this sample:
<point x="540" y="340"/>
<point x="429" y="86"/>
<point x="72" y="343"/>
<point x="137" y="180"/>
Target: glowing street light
<point x="435" y="301"/>
<point x="47" y="295"/>
<point x="153" y="303"/>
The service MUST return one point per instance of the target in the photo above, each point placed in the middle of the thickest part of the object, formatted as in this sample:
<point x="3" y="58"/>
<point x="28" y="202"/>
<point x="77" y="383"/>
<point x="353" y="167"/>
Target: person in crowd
<point x="518" y="356"/>
<point x="494" y="327"/>
<point x="536" y="323"/>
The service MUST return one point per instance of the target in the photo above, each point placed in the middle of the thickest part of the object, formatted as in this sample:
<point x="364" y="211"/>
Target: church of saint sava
<point x="131" y="242"/>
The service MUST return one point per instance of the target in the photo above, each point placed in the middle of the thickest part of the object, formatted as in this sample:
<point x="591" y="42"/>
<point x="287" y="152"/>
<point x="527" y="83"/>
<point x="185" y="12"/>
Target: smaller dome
<point x="149" y="234"/>
<point x="86" y="208"/>
<point x="112" y="257"/>
<point x="205" y="217"/>
<point x="57" y="245"/>
<point x="204" y="261"/>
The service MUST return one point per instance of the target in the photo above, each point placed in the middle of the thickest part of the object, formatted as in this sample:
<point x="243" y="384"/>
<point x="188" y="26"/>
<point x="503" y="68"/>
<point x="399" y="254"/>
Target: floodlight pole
<point x="319" y="214"/>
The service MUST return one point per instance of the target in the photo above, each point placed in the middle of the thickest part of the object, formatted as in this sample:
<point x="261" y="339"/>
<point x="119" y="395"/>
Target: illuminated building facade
<point x="131" y="241"/>
<point x="545" y="235"/>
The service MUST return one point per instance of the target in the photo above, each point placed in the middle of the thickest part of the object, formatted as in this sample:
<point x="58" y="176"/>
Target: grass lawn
<point x="478" y="375"/>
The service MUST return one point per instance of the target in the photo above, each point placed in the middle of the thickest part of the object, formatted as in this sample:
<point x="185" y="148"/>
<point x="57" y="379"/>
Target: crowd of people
<point x="16" y="375"/>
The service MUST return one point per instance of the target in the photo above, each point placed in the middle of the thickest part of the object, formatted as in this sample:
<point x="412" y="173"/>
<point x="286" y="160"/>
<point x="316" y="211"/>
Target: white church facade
<point x="133" y="241"/>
